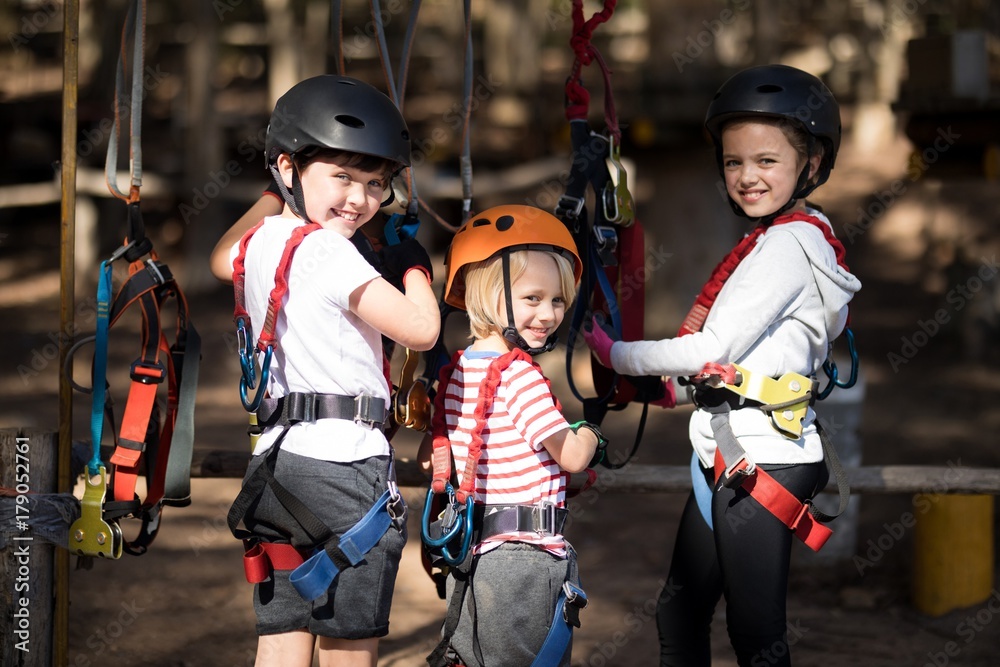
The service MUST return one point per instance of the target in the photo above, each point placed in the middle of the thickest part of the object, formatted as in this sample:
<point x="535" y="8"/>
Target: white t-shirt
<point x="323" y="348"/>
<point x="776" y="314"/>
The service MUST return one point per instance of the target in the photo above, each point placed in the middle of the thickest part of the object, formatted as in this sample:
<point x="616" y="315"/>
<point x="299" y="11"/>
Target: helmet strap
<point x="294" y="197"/>
<point x="509" y="332"/>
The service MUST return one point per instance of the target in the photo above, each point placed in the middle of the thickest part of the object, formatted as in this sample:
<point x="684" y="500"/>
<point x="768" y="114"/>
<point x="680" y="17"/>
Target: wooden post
<point x="67" y="309"/>
<point x="953" y="552"/>
<point x="27" y="467"/>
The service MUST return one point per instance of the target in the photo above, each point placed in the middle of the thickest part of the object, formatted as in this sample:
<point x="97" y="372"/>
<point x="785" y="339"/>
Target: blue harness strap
<point x="313" y="578"/>
<point x="566" y="617"/>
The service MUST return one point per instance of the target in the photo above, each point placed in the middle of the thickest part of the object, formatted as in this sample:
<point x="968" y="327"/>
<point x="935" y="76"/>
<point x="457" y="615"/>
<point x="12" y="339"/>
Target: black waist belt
<point x="708" y="397"/>
<point x="544" y="519"/>
<point x="299" y="407"/>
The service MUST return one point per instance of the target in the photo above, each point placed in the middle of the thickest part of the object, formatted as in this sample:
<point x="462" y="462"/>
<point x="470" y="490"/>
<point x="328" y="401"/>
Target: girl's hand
<point x="600" y="339"/>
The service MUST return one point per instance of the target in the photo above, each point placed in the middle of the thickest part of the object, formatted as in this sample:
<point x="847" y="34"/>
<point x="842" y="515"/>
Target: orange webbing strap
<point x="239" y="274"/>
<point x="777" y="500"/>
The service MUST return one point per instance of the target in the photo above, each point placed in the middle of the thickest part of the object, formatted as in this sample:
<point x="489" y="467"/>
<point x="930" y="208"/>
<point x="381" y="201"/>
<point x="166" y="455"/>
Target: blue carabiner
<point x="245" y="351"/>
<point x="448" y="532"/>
<point x="265" y="373"/>
<point x="459" y="558"/>
<point x="830" y="368"/>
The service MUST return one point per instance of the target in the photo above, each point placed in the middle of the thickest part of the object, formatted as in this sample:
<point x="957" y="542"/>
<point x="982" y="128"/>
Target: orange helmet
<point x="509" y="227"/>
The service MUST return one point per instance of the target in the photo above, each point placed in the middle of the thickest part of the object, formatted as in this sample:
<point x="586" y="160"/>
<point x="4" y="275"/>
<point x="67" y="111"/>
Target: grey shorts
<point x="508" y="606"/>
<point x="357" y="604"/>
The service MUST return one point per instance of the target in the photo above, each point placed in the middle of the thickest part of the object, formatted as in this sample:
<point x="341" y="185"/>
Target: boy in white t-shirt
<point x="322" y="464"/>
<point x="514" y="269"/>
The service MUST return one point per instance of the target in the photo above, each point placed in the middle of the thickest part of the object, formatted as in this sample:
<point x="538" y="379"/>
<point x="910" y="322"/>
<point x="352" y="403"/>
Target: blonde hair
<point x="484" y="289"/>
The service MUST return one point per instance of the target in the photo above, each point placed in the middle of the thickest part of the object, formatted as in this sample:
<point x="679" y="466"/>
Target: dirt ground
<point x="185" y="603"/>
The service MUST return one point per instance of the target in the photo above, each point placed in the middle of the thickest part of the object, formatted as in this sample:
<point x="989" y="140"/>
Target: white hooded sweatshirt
<point x="777" y="313"/>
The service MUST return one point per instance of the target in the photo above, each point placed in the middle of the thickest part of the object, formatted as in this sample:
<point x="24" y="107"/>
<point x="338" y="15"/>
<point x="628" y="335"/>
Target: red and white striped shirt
<point x="514" y="467"/>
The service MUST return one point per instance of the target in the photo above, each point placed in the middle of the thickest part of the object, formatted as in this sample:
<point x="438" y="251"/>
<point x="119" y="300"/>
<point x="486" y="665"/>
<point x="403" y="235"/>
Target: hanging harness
<point x="461" y="523"/>
<point x="613" y="246"/>
<point x="313" y="569"/>
<point x="721" y="388"/>
<point x="164" y="450"/>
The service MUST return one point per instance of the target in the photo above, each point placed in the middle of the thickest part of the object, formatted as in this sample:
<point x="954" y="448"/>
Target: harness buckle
<point x="606" y="243"/>
<point x="147" y="373"/>
<point x="543" y="518"/>
<point x="569" y="207"/>
<point x="736" y="475"/>
<point x="154" y="271"/>
<point x="366" y="407"/>
<point x="576" y="600"/>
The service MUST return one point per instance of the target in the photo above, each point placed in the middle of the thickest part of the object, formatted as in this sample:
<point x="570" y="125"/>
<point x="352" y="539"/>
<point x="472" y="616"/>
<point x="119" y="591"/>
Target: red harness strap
<point x="260" y="559"/>
<point x="720" y="274"/>
<point x="780" y="502"/>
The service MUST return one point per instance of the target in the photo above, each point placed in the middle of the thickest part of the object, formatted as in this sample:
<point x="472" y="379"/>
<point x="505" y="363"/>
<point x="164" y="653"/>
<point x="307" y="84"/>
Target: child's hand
<point x="669" y="399"/>
<point x="401" y="258"/>
<point x="600" y="338"/>
<point x="601" y="448"/>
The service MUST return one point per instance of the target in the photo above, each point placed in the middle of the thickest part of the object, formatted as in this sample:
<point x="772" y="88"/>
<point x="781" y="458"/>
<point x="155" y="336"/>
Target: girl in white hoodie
<point x="773" y="306"/>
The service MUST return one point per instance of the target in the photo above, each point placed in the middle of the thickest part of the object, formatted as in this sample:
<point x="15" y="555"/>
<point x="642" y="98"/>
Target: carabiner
<point x="830" y="368"/>
<point x="245" y="351"/>
<point x="452" y="521"/>
<point x="619" y="207"/>
<point x="265" y="374"/>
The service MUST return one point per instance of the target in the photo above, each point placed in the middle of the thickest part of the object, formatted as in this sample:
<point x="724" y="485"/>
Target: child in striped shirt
<point x="514" y="269"/>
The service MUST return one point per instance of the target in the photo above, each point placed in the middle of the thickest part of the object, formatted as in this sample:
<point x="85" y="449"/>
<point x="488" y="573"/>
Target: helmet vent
<point x="480" y="222"/>
<point x="769" y="88"/>
<point x="505" y="222"/>
<point x="350" y="121"/>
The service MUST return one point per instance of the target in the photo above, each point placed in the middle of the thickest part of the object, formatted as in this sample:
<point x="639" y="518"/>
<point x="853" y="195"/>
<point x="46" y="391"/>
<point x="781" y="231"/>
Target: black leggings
<point x="745" y="558"/>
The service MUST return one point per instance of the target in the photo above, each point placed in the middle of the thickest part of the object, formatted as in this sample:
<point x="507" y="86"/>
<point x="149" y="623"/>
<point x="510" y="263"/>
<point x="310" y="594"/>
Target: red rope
<point x="720" y="274"/>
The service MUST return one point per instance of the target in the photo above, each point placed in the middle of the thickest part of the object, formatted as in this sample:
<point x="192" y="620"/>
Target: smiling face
<point x="337" y="195"/>
<point x="761" y="166"/>
<point x="537" y="299"/>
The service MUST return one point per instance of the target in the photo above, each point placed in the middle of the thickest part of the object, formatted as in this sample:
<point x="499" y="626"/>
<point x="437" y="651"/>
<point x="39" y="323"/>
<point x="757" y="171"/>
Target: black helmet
<point x="782" y="92"/>
<point x="337" y="112"/>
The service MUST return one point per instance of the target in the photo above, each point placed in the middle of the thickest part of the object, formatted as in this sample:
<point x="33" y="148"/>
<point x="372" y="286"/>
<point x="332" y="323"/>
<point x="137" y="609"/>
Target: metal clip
<point x="606" y="243"/>
<point x="619" y="207"/>
<point x="544" y="518"/>
<point x="735" y="475"/>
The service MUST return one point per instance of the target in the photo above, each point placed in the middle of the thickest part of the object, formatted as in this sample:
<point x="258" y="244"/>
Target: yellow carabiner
<point x="617" y="190"/>
<point x="791" y="391"/>
<point x="91" y="535"/>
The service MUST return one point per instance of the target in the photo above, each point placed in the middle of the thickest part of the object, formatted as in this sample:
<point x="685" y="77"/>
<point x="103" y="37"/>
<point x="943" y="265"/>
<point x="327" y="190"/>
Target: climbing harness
<point x="313" y="573"/>
<point x="462" y="524"/>
<point x="163" y="450"/>
<point x="313" y="570"/>
<point x="613" y="245"/>
<point x="721" y="388"/>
